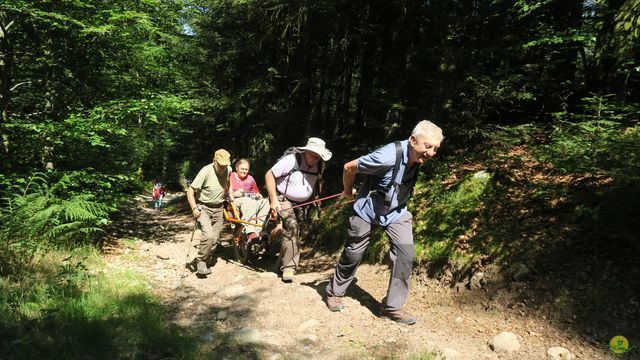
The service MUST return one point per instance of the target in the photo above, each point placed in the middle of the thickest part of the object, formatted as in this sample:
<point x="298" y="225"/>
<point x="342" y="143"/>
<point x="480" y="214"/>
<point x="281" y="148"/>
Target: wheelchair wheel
<point x="242" y="249"/>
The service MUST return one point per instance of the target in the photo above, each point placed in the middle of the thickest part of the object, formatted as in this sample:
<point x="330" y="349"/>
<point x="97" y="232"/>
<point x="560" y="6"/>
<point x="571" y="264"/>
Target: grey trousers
<point x="210" y="223"/>
<point x="289" y="240"/>
<point x="401" y="255"/>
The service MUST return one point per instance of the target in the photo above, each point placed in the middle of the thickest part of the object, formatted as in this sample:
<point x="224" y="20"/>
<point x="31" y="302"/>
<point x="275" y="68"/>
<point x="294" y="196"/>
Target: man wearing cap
<point x="294" y="180"/>
<point x="382" y="203"/>
<point x="206" y="196"/>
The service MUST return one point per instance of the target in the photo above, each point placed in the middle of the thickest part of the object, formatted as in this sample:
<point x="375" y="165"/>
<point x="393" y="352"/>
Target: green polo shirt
<point x="211" y="185"/>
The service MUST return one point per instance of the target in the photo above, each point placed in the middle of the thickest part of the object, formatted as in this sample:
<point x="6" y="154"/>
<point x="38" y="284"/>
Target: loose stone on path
<point x="449" y="354"/>
<point x="308" y="324"/>
<point x="233" y="291"/>
<point x="505" y="342"/>
<point x="162" y="254"/>
<point x="559" y="353"/>
<point x="222" y="315"/>
<point x="308" y="339"/>
<point x="247" y="335"/>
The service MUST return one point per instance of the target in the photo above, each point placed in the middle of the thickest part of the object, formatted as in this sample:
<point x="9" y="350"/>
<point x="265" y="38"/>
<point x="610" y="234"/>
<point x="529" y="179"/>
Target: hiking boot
<point x="203" y="269"/>
<point x="287" y="275"/>
<point x="334" y="303"/>
<point x="398" y="316"/>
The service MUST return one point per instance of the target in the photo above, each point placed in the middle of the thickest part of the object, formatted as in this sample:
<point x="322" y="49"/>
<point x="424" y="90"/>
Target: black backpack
<point x="393" y="183"/>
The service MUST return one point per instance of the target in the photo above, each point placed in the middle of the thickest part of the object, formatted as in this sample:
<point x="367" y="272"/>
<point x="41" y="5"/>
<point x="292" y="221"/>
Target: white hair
<point x="426" y="128"/>
<point x="242" y="161"/>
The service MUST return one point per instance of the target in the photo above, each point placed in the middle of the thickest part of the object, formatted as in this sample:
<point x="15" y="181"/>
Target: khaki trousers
<point x="210" y="224"/>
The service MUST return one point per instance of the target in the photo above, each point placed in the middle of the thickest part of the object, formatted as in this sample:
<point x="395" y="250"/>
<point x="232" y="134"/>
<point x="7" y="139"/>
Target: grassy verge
<point x="71" y="306"/>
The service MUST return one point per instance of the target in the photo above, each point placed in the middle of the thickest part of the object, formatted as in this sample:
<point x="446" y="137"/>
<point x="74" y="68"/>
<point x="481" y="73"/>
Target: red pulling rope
<point x="339" y="204"/>
<point x="312" y="201"/>
<point x="236" y="220"/>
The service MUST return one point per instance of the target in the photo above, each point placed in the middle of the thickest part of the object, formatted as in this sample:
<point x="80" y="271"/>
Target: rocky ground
<point x="248" y="312"/>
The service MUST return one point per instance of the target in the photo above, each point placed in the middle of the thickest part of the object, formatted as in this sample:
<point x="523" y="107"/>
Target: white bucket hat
<point x="317" y="146"/>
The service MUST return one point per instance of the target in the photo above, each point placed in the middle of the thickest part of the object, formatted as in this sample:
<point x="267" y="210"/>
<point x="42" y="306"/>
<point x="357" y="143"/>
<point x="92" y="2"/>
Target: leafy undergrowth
<point x="69" y="306"/>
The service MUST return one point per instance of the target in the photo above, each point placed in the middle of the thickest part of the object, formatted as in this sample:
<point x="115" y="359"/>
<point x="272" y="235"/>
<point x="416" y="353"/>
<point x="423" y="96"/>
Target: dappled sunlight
<point x="555" y="247"/>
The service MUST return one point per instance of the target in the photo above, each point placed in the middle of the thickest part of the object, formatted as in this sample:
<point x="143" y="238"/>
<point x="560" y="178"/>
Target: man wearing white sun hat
<point x="294" y="179"/>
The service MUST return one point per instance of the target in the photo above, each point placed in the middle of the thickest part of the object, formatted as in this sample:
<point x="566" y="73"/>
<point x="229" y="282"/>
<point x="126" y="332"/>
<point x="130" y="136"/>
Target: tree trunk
<point x="568" y="16"/>
<point x="365" y="84"/>
<point x="6" y="63"/>
<point x="614" y="46"/>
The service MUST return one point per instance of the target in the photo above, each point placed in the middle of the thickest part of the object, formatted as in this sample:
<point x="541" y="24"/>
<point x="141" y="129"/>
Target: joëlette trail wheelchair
<point x="248" y="250"/>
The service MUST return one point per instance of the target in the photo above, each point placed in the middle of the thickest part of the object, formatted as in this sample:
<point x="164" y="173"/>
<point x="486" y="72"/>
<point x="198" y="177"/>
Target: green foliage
<point x="329" y="229"/>
<point x="130" y="130"/>
<point x="98" y="85"/>
<point x="505" y="137"/>
<point x="605" y="138"/>
<point x="37" y="215"/>
<point x="378" y="248"/>
<point x="447" y="214"/>
<point x="111" y="190"/>
<point x="529" y="7"/>
<point x="72" y="307"/>
<point x="594" y="147"/>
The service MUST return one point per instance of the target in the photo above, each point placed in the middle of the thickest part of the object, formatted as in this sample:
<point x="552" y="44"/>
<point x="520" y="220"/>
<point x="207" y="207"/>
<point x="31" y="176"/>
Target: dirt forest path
<point x="248" y="312"/>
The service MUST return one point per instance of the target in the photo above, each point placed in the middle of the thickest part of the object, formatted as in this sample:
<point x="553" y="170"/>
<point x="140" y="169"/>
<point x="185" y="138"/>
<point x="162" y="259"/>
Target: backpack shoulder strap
<point x="394" y="174"/>
<point x="296" y="166"/>
<point x="396" y="166"/>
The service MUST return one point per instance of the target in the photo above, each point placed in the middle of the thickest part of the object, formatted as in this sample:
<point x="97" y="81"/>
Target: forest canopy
<point x="99" y="97"/>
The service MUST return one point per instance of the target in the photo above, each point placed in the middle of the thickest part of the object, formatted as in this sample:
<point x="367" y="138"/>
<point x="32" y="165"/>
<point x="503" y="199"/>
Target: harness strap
<point x="318" y="183"/>
<point x="393" y="182"/>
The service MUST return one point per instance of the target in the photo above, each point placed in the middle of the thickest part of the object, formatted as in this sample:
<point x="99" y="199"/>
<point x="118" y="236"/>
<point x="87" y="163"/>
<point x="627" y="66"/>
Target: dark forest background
<point x="538" y="176"/>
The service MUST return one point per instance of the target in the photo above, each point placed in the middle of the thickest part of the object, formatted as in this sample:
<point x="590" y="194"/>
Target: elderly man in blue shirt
<point x="382" y="203"/>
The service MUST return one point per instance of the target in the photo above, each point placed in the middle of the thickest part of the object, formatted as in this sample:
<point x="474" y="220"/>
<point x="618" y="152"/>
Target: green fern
<point x="34" y="215"/>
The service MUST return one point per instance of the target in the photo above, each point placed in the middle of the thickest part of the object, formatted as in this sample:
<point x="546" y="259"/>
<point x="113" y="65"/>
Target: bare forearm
<point x="192" y="202"/>
<point x="191" y="198"/>
<point x="349" y="172"/>
<point x="270" y="182"/>
<point x="227" y="190"/>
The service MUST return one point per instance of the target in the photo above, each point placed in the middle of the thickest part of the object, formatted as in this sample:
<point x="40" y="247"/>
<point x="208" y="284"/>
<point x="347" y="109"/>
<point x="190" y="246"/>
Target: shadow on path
<point x="355" y="292"/>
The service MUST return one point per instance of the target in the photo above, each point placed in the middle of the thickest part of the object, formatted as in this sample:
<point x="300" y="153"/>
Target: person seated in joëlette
<point x="247" y="198"/>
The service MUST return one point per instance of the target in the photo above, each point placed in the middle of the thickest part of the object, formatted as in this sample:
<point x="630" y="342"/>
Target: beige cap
<point x="222" y="157"/>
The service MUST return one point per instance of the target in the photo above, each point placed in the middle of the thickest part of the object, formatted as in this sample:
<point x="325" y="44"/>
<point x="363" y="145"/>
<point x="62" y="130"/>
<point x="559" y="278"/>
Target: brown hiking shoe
<point x="398" y="316"/>
<point x="334" y="303"/>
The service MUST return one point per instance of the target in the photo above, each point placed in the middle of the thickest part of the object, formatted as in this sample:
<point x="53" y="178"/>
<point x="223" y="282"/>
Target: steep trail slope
<point x="248" y="312"/>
